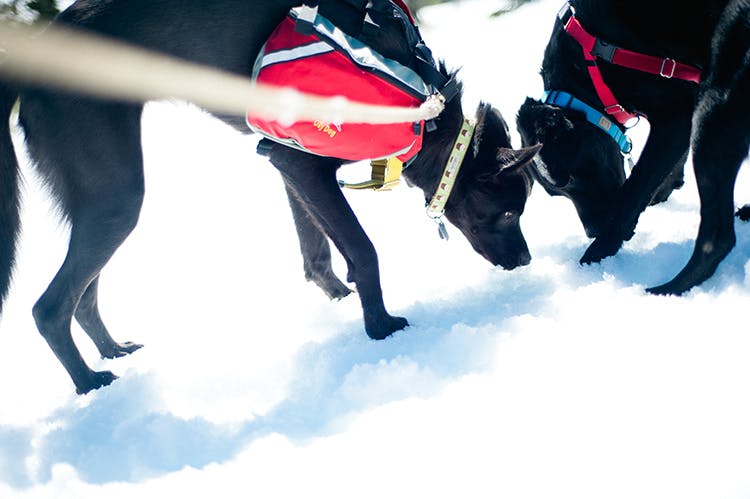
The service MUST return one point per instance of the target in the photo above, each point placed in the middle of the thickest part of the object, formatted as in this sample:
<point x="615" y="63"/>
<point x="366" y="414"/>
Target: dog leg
<point x="721" y="138"/>
<point x="94" y="238"/>
<point x="720" y="145"/>
<point x="90" y="156"/>
<point x="87" y="315"/>
<point x="313" y="179"/>
<point x="668" y="140"/>
<point x="316" y="252"/>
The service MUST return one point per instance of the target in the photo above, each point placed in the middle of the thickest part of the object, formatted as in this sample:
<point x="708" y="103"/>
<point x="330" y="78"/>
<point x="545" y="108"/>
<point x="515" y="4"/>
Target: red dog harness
<point x="311" y="54"/>
<point x="594" y="48"/>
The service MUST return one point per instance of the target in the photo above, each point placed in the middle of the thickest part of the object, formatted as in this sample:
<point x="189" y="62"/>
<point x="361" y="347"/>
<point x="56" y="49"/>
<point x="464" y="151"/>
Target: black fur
<point x="9" y="198"/>
<point x="89" y="153"/>
<point x="582" y="163"/>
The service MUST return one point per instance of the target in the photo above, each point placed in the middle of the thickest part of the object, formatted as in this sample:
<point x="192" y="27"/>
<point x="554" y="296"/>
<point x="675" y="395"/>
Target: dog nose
<point x="510" y="262"/>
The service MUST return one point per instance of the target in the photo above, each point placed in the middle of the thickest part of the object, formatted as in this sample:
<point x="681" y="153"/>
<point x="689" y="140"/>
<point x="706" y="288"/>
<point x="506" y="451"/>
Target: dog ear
<point x="540" y="123"/>
<point x="511" y="161"/>
<point x="481" y="114"/>
<point x="490" y="128"/>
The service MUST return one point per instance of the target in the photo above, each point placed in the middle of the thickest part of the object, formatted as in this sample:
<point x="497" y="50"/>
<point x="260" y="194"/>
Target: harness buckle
<point x="614" y="109"/>
<point x="565" y="13"/>
<point x="669" y="74"/>
<point x="384" y="176"/>
<point x="603" y="50"/>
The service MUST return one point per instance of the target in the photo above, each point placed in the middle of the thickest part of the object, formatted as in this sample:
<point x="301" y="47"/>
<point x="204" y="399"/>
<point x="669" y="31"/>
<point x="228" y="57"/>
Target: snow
<point x="553" y="380"/>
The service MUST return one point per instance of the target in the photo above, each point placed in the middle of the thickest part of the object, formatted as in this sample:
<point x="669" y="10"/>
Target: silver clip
<point x="630" y="163"/>
<point x="442" y="231"/>
<point x="670" y="73"/>
<point x="438" y="219"/>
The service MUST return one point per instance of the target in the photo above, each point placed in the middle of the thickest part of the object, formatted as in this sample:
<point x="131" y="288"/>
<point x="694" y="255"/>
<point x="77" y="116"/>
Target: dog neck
<point x="436" y="205"/>
<point x="426" y="169"/>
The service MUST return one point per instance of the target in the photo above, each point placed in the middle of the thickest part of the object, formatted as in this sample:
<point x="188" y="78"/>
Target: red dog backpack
<point x="308" y="52"/>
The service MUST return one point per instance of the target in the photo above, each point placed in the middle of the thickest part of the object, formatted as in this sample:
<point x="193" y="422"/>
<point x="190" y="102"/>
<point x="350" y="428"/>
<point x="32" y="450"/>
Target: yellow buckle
<point x="386" y="174"/>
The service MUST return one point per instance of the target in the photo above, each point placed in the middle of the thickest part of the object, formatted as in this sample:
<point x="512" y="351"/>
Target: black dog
<point x="581" y="162"/>
<point x="88" y="152"/>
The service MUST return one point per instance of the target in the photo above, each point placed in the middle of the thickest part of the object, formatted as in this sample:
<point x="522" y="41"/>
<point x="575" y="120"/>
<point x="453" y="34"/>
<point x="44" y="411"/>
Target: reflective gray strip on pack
<point x="362" y="55"/>
<point x="300" y="52"/>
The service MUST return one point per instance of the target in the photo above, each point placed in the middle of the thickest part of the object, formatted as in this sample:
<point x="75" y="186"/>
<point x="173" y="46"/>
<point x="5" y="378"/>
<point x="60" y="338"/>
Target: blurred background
<point x="30" y="11"/>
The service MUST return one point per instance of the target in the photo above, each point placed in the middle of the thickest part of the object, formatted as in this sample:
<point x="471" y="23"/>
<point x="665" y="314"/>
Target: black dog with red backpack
<point x="685" y="67"/>
<point x="316" y="55"/>
<point x="88" y="151"/>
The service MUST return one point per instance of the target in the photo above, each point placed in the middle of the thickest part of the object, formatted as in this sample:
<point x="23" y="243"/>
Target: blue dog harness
<point x="568" y="101"/>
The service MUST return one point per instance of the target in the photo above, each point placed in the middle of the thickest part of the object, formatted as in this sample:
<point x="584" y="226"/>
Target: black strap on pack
<point x="361" y="18"/>
<point x="264" y="146"/>
<point x="347" y="15"/>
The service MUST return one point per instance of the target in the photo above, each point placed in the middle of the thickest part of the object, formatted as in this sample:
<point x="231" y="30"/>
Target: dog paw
<point x="600" y="249"/>
<point x="96" y="380"/>
<point x="330" y="284"/>
<point x="743" y="213"/>
<point x="700" y="267"/>
<point x="119" y="350"/>
<point x="664" y="290"/>
<point x="681" y="284"/>
<point x="335" y="290"/>
<point x="385" y="327"/>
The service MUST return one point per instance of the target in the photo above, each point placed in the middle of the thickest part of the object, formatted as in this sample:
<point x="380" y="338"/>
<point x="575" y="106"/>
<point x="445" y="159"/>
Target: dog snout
<point x="592" y="221"/>
<point x="510" y="262"/>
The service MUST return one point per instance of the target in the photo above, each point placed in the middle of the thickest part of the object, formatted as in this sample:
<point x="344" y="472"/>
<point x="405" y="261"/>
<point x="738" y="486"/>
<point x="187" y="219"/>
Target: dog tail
<point x="10" y="220"/>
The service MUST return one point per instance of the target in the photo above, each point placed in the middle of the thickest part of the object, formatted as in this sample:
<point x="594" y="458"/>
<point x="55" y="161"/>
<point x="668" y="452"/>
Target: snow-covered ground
<point x="550" y="381"/>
